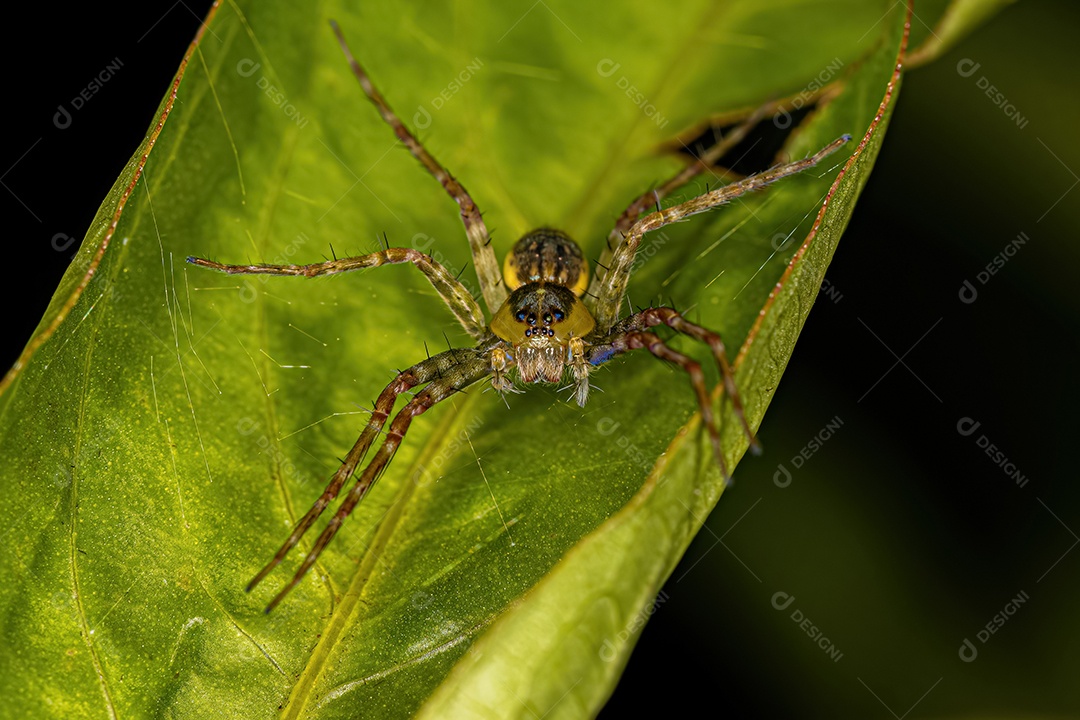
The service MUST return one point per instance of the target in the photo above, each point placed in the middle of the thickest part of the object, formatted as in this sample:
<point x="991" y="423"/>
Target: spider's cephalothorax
<point x="543" y="319"/>
<point x="543" y="329"/>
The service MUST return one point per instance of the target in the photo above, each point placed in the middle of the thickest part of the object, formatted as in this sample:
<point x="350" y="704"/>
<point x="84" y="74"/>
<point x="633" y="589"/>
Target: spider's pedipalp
<point x="487" y="267"/>
<point x="452" y="292"/>
<point x="501" y="362"/>
<point x="445" y="373"/>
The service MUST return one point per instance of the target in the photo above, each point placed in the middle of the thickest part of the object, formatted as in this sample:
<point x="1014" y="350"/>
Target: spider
<point x="549" y="322"/>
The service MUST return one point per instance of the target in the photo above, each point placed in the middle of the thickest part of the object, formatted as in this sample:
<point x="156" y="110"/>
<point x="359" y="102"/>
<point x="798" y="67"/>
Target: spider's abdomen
<point x="547" y="255"/>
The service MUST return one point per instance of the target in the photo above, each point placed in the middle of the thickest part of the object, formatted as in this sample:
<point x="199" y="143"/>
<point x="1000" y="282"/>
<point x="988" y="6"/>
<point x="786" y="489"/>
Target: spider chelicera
<point x="549" y="322"/>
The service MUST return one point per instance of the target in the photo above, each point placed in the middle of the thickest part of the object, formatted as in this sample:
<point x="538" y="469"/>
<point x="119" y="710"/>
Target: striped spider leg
<point x="705" y="162"/>
<point x="487" y="267"/>
<point x="445" y="374"/>
<point x="612" y="337"/>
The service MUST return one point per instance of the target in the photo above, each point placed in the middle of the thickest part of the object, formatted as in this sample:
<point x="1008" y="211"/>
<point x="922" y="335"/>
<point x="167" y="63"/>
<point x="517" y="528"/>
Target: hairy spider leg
<point x="452" y="292"/>
<point x="418" y="374"/>
<point x="613" y="286"/>
<point x="652" y="317"/>
<point x="611" y="337"/>
<point x="381" y="411"/>
<point x="620" y="342"/>
<point x="487" y="267"/>
<point x="445" y="374"/>
<point x="700" y="165"/>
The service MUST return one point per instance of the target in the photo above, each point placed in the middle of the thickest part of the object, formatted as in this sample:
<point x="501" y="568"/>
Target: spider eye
<point x="539" y="311"/>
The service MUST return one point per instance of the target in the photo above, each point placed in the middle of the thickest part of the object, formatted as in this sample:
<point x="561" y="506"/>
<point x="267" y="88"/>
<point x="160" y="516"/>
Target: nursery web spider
<point x="549" y="323"/>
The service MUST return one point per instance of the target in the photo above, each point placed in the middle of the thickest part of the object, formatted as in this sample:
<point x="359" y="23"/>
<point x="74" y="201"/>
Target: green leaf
<point x="166" y="425"/>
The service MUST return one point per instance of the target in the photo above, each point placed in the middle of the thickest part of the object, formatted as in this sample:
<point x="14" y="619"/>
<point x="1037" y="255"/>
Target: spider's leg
<point x="381" y="411"/>
<point x="487" y="267"/>
<point x="651" y="317"/>
<point x="613" y="286"/>
<point x="621" y="342"/>
<point x="418" y="374"/>
<point x="700" y="165"/>
<point x="468" y="366"/>
<point x="452" y="292"/>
